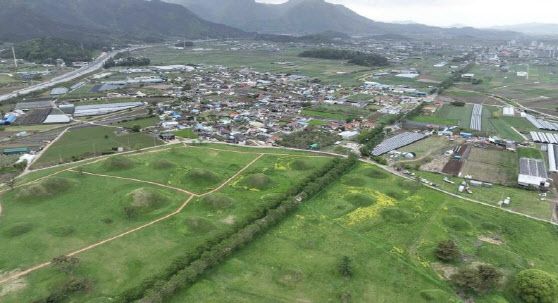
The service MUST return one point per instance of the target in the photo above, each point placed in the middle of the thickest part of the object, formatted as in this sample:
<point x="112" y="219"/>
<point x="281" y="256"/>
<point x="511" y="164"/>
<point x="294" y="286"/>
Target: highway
<point x="91" y="67"/>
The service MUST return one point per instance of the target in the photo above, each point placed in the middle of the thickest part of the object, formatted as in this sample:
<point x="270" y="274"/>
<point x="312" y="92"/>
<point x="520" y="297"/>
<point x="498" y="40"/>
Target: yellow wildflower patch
<point x="366" y="213"/>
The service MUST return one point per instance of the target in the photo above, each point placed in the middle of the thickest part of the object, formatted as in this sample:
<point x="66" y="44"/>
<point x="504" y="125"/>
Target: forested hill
<point x="87" y="20"/>
<point x="303" y="17"/>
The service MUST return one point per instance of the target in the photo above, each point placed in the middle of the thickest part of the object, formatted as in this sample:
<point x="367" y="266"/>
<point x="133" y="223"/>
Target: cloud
<point x="479" y="13"/>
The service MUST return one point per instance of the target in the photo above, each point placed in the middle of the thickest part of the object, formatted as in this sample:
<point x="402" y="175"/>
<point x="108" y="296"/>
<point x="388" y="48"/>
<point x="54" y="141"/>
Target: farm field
<point x="142" y="122"/>
<point x="278" y="61"/>
<point x="86" y="142"/>
<point x="538" y="91"/>
<point x="522" y="201"/>
<point x="152" y="249"/>
<point x="428" y="146"/>
<point x="493" y="166"/>
<point x="449" y="115"/>
<point x="388" y="228"/>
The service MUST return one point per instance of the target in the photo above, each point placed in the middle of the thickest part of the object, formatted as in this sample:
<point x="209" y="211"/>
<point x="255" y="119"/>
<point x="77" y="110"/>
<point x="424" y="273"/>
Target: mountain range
<point x="301" y="17"/>
<point x="532" y="28"/>
<point x="155" y="20"/>
<point x="103" y="19"/>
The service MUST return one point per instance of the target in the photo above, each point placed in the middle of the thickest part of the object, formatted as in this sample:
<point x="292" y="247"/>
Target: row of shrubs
<point x="186" y="270"/>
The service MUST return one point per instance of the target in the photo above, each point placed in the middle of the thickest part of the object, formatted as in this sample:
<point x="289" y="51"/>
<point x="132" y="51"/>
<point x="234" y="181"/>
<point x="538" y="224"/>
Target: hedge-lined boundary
<point x="187" y="270"/>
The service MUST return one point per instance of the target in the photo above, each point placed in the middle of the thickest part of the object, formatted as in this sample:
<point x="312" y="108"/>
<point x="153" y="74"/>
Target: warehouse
<point x="102" y="109"/>
<point x="532" y="173"/>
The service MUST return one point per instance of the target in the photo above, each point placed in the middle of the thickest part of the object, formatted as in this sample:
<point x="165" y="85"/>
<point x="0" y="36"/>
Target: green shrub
<point x="536" y="286"/>
<point x="300" y="164"/>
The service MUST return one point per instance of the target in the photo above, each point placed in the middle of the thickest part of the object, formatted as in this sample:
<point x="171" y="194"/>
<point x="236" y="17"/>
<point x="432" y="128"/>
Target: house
<point x="167" y="136"/>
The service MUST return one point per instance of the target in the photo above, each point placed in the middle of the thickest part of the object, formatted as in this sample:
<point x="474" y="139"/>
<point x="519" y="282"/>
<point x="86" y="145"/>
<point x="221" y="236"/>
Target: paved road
<point x="93" y="66"/>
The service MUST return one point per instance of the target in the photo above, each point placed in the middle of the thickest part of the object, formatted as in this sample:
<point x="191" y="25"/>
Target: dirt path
<point x="135" y="180"/>
<point x="99" y="243"/>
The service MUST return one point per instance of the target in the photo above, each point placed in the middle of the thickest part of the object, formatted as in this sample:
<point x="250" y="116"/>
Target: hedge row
<point x="186" y="270"/>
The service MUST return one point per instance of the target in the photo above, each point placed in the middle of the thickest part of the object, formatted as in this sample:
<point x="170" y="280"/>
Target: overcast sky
<point x="479" y="13"/>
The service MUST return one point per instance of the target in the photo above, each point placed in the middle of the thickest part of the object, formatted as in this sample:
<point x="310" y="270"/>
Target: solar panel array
<point x="396" y="142"/>
<point x="544" y="137"/>
<point x="542" y="124"/>
<point x="476" y="118"/>
<point x="532" y="167"/>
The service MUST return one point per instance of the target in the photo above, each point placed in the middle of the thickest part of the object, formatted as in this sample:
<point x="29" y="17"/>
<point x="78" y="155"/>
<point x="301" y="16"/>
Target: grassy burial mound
<point x="301" y="164"/>
<point x="130" y="261"/>
<point x="218" y="201"/>
<point x="44" y="189"/>
<point x="118" y="163"/>
<point x="325" y="251"/>
<point x="195" y="169"/>
<point x="143" y="201"/>
<point x="258" y="181"/>
<point x="202" y="177"/>
<point x="64" y="213"/>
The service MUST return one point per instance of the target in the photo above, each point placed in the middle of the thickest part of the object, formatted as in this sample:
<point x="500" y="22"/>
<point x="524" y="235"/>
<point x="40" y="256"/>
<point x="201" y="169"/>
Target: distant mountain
<point x="103" y="19"/>
<point x="532" y="28"/>
<point x="302" y="17"/>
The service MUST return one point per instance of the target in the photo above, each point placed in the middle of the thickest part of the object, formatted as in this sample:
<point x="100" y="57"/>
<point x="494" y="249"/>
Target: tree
<point x="136" y="128"/>
<point x="536" y="286"/>
<point x="447" y="251"/>
<point x="482" y="279"/>
<point x="345" y="267"/>
<point x="489" y="277"/>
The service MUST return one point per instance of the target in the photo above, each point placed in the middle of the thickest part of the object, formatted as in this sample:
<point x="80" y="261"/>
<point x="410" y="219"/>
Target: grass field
<point x="128" y="261"/>
<point x="142" y="123"/>
<point x="92" y="141"/>
<point x="388" y="228"/>
<point x="69" y="211"/>
<point x="186" y="133"/>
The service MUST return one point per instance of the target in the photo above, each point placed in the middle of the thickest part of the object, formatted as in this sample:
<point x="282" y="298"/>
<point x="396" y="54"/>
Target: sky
<point x="477" y="13"/>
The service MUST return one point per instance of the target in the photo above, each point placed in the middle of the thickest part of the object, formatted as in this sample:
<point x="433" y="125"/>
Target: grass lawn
<point x="143" y="122"/>
<point x="92" y="141"/>
<point x="186" y="133"/>
<point x="192" y="168"/>
<point x="533" y="153"/>
<point x="388" y="228"/>
<point x="128" y="261"/>
<point x="69" y="211"/>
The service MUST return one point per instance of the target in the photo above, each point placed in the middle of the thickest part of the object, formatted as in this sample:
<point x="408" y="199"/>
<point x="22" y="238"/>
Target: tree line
<point x="127" y="61"/>
<point x="353" y="57"/>
<point x="186" y="270"/>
